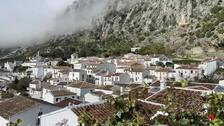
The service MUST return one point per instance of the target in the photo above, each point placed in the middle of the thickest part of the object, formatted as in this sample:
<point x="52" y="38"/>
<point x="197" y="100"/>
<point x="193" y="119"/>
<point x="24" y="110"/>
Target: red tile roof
<point x="190" y="67"/>
<point x="165" y="70"/>
<point x="186" y="99"/>
<point x="81" y="84"/>
<point x="107" y="87"/>
<point x="99" y="112"/>
<point x="16" y="105"/>
<point x="58" y="93"/>
<point x="66" y="102"/>
<point x="151" y="108"/>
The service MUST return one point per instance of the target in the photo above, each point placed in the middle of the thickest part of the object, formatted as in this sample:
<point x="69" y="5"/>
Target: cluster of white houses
<point x="58" y="93"/>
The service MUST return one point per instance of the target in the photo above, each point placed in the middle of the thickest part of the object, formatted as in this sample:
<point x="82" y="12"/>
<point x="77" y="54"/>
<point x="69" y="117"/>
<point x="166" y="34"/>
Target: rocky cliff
<point x="180" y="23"/>
<point x="114" y="26"/>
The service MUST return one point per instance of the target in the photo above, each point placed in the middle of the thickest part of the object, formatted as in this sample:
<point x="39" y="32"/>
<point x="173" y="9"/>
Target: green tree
<point x="184" y="83"/>
<point x="169" y="64"/>
<point x="124" y="114"/>
<point x="17" y="123"/>
<point x="153" y="48"/>
<point x="20" y="85"/>
<point x="160" y="64"/>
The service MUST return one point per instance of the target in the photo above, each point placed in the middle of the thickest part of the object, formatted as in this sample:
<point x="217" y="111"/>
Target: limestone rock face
<point x="181" y="24"/>
<point x="171" y="21"/>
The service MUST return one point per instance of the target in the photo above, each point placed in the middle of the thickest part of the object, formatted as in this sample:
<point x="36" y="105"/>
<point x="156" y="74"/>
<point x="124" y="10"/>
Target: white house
<point x="38" y="72"/>
<point x="160" y="58"/>
<point x="93" y="97"/>
<point x="35" y="89"/>
<point x="57" y="96"/>
<point x="77" y="74"/>
<point x="80" y="88"/>
<point x="54" y="81"/>
<point x="164" y="73"/>
<point x="136" y="72"/>
<point x="9" y="66"/>
<point x="74" y="58"/>
<point x="121" y="69"/>
<point x="79" y="65"/>
<point x="135" y="49"/>
<point x="53" y="62"/>
<point x="102" y="77"/>
<point x="69" y="116"/>
<point x="62" y="75"/>
<point x="122" y="78"/>
<point x="59" y="70"/>
<point x="23" y="108"/>
<point x="209" y="66"/>
<point x="107" y="67"/>
<point x="107" y="78"/>
<point x="32" y="64"/>
<point x="105" y="89"/>
<point x="188" y="73"/>
<point x="149" y="79"/>
<point x="147" y="62"/>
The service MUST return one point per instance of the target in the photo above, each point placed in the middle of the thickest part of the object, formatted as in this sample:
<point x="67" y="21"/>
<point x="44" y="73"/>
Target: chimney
<point x="221" y="82"/>
<point x="163" y="84"/>
<point x="69" y="104"/>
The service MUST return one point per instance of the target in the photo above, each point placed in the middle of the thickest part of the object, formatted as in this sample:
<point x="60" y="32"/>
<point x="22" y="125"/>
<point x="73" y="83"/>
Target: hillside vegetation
<point x="158" y="26"/>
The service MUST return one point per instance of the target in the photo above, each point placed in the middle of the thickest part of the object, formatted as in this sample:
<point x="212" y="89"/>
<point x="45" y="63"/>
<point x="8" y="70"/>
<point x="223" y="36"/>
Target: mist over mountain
<point x="26" y="22"/>
<point x="180" y="24"/>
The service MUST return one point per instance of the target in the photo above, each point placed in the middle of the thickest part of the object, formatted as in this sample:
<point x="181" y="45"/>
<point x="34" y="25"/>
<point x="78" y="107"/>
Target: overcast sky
<point x="24" y="20"/>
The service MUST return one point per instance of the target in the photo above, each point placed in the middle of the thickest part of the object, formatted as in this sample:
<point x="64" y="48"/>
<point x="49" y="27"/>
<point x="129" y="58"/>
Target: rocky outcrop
<point x="172" y="21"/>
<point x="181" y="24"/>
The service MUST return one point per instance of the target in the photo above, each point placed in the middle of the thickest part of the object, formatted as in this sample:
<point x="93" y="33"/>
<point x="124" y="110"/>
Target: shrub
<point x="20" y="85"/>
<point x="216" y="9"/>
<point x="153" y="48"/>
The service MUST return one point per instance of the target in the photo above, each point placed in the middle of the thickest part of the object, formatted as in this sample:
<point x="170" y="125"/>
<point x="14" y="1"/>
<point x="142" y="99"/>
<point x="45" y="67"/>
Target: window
<point x="82" y="77"/>
<point x="58" y="99"/>
<point x="73" y="97"/>
<point x="181" y="74"/>
<point x="191" y="71"/>
<point x="66" y="98"/>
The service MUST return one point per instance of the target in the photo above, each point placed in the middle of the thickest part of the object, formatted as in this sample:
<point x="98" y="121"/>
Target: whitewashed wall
<point x="56" y="117"/>
<point x="30" y="116"/>
<point x="3" y="121"/>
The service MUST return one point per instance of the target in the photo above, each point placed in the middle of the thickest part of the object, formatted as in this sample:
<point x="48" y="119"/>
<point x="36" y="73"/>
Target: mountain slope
<point x="119" y="25"/>
<point x="171" y="21"/>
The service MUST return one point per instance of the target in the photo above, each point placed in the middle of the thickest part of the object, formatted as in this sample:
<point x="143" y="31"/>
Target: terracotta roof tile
<point x="208" y="86"/>
<point x="107" y="87"/>
<point x="68" y="101"/>
<point x="98" y="93"/>
<point x="147" y="110"/>
<point x="81" y="84"/>
<point x="187" y="99"/>
<point x="165" y="70"/>
<point x="58" y="93"/>
<point x="16" y="105"/>
<point x="190" y="67"/>
<point x="99" y="112"/>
